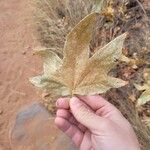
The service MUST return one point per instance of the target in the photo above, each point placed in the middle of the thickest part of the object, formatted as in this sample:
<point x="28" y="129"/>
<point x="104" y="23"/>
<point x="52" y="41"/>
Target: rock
<point x="1" y="112"/>
<point x="34" y="129"/>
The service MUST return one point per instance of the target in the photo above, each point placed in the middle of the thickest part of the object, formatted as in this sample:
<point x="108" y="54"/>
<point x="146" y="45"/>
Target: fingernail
<point x="58" y="102"/>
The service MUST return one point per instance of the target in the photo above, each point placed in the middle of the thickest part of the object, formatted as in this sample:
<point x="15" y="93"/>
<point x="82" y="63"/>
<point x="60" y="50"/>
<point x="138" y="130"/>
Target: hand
<point x="94" y="124"/>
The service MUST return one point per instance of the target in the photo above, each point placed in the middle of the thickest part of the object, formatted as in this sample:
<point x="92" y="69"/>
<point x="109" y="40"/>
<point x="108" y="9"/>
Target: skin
<point x="95" y="124"/>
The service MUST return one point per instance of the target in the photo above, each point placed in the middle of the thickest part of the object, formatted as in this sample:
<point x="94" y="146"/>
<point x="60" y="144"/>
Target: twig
<point x="142" y="7"/>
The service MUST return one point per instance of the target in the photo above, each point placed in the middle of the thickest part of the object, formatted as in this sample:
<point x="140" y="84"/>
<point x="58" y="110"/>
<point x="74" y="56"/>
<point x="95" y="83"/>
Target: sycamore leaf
<point x="51" y="61"/>
<point x="77" y="72"/>
<point x="145" y="96"/>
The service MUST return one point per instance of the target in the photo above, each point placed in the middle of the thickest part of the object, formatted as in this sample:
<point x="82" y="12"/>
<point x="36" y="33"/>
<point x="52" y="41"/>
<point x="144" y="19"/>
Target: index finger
<point x="96" y="102"/>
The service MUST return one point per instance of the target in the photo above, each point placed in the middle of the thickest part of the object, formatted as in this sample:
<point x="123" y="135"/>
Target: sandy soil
<point x="16" y="62"/>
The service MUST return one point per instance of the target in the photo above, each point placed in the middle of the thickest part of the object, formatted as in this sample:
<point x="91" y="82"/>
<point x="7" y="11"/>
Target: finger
<point x="101" y="106"/>
<point x="85" y="116"/>
<point x="96" y="102"/>
<point x="63" y="113"/>
<point x="86" y="141"/>
<point x="70" y="130"/>
<point x="73" y="120"/>
<point x="63" y="103"/>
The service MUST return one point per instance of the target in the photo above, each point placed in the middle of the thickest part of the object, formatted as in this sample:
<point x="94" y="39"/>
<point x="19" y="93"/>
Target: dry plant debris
<point x="77" y="72"/>
<point x="145" y="96"/>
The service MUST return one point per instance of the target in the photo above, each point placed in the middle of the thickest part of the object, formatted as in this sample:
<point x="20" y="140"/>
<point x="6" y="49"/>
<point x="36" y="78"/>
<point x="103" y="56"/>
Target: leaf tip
<point x="41" y="51"/>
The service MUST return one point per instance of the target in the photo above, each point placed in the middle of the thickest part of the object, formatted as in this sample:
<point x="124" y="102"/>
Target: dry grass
<point x="56" y="18"/>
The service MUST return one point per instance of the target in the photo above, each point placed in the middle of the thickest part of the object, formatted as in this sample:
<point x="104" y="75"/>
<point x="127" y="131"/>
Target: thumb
<point x="84" y="115"/>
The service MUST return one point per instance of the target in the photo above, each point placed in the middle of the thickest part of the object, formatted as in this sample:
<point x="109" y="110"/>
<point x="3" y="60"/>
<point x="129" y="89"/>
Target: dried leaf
<point x="99" y="5"/>
<point x="109" y="13"/>
<point x="77" y="72"/>
<point x="51" y="61"/>
<point x="130" y="61"/>
<point x="145" y="96"/>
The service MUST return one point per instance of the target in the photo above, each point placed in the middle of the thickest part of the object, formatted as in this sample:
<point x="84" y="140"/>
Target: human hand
<point x="94" y="124"/>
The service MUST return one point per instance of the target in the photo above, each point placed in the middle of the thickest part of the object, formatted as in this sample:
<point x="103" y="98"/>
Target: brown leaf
<point x="145" y="96"/>
<point x="77" y="72"/>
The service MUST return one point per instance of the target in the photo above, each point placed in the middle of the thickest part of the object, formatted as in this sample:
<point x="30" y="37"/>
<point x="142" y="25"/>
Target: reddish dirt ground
<point x="16" y="62"/>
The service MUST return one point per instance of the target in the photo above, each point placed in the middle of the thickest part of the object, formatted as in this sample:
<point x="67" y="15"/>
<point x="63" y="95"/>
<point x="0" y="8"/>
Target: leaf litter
<point x="145" y="96"/>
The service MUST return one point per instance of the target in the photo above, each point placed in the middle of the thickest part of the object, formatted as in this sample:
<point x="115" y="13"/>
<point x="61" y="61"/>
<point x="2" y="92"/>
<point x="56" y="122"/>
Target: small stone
<point x="24" y="52"/>
<point x="1" y="112"/>
<point x="53" y="138"/>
